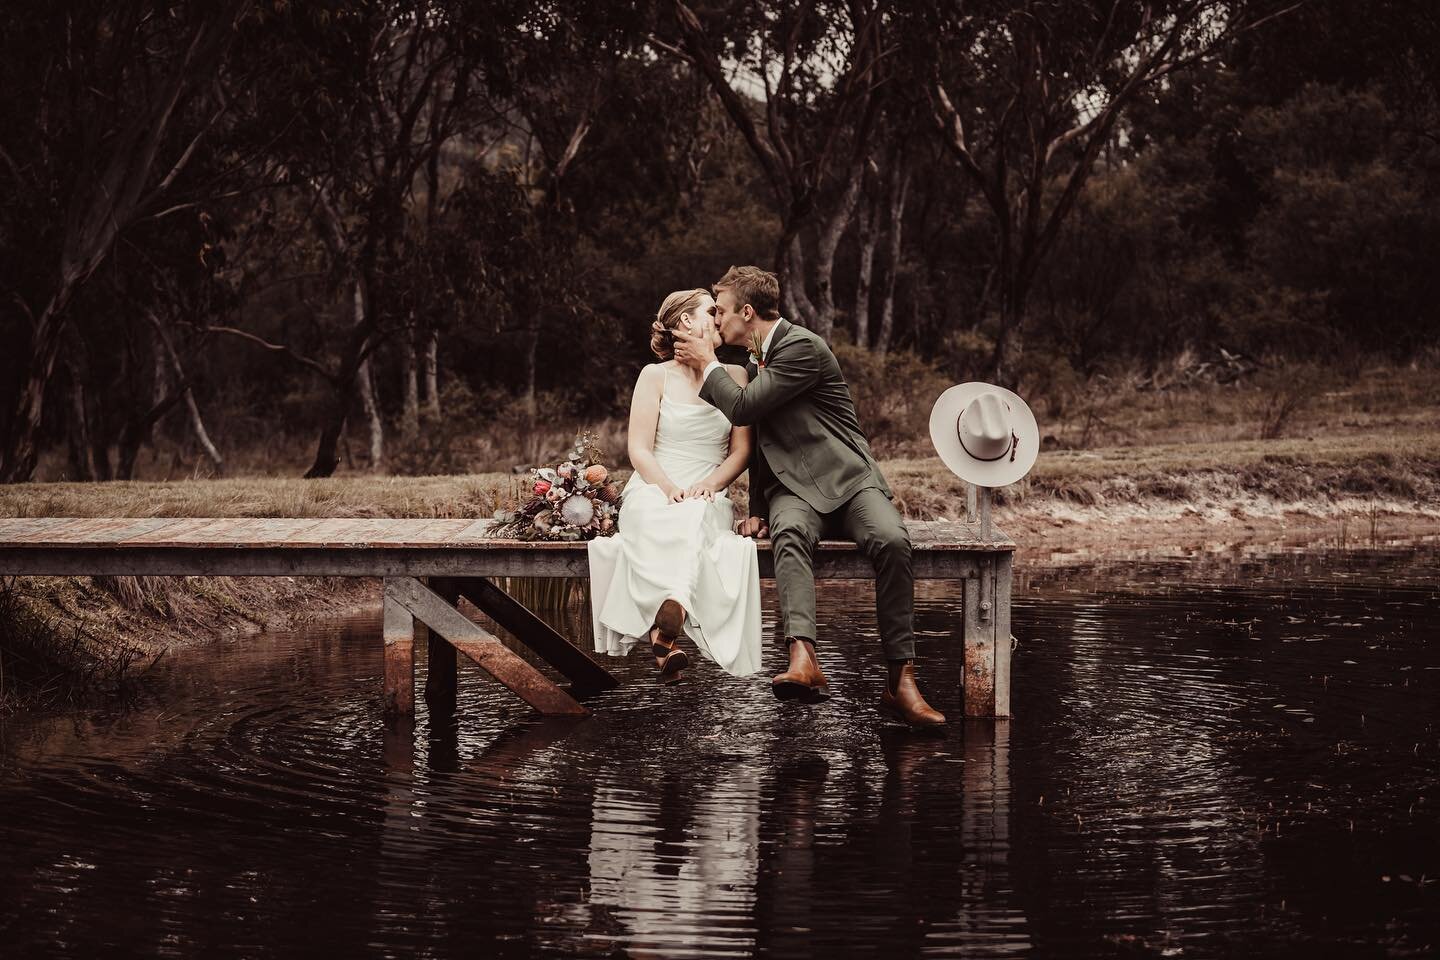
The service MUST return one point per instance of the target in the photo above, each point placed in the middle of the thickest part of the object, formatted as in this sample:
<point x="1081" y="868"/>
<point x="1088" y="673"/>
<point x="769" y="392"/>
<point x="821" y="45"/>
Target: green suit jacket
<point x="807" y="435"/>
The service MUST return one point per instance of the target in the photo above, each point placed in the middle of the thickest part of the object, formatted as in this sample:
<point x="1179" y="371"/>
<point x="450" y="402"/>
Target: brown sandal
<point x="669" y="621"/>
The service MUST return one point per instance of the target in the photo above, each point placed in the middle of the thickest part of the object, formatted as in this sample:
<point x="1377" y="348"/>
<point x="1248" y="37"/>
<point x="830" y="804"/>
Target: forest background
<point x="260" y="237"/>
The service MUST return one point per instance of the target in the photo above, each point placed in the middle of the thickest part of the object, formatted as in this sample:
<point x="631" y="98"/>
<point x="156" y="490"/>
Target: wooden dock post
<point x="399" y="635"/>
<point x="986" y="613"/>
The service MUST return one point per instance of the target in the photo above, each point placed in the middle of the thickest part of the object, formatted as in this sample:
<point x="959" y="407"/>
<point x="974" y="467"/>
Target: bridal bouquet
<point x="574" y="500"/>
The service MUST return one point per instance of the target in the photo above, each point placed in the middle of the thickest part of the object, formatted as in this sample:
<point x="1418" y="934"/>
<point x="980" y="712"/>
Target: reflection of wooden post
<point x="985" y="805"/>
<point x="399" y="634"/>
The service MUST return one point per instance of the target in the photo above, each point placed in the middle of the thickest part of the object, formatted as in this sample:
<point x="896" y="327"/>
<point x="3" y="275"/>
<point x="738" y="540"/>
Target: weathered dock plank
<point x="376" y="547"/>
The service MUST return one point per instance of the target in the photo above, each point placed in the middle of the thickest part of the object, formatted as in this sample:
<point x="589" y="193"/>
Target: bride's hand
<point x="702" y="490"/>
<point x="675" y="494"/>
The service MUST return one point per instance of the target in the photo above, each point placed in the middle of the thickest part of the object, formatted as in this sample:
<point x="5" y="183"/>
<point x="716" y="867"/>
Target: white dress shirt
<point x="764" y="351"/>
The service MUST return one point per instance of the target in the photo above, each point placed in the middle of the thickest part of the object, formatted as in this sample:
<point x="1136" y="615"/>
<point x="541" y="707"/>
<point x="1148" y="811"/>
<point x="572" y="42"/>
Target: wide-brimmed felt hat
<point x="985" y="434"/>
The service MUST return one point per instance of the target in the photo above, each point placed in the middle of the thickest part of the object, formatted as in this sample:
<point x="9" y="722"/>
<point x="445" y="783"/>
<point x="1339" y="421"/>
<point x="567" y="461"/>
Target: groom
<point x="811" y="475"/>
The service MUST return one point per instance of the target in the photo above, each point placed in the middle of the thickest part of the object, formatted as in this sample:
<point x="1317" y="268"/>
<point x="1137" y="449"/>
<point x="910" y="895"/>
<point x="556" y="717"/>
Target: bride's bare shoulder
<point x="651" y="373"/>
<point x="737" y="373"/>
<point x="651" y="380"/>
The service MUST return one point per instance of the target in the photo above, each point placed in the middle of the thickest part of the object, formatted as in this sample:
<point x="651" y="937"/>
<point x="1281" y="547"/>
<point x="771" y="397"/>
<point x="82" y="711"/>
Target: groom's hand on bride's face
<point x="693" y="350"/>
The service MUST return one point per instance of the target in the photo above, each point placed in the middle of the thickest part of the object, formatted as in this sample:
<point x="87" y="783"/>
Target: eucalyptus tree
<point x="599" y="145"/>
<point x="799" y="82"/>
<point x="103" y="106"/>
<point x="358" y="100"/>
<point x="1026" y="94"/>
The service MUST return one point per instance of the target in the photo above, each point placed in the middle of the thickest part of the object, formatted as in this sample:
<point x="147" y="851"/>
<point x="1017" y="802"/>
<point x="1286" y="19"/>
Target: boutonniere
<point x="757" y="350"/>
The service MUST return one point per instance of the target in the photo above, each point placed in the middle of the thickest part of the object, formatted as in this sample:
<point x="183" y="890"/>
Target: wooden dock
<point x="427" y="565"/>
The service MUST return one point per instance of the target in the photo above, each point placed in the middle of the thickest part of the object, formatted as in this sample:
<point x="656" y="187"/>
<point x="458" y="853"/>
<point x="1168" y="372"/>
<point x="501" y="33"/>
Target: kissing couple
<point x="680" y="566"/>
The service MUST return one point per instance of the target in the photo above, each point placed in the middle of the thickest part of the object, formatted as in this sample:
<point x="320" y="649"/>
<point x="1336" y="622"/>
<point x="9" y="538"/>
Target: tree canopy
<point x="350" y="228"/>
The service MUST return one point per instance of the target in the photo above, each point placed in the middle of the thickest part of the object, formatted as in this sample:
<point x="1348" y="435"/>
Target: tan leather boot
<point x="804" y="681"/>
<point x="904" y="702"/>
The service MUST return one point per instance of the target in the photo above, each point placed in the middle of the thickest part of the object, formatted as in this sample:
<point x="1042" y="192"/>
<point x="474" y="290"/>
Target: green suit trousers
<point x="871" y="520"/>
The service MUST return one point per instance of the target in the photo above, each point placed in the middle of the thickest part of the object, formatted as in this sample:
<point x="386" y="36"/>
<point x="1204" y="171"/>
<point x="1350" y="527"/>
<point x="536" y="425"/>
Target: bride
<point x="676" y="567"/>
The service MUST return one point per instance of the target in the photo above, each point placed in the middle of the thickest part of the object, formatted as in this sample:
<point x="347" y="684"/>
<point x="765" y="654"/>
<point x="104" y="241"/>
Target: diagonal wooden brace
<point x="585" y="674"/>
<point x="483" y="647"/>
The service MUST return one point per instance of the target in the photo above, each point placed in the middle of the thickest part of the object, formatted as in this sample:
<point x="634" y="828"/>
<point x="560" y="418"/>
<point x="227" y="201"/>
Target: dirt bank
<point x="66" y="637"/>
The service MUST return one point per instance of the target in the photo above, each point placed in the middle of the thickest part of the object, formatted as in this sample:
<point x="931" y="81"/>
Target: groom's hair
<point x="759" y="288"/>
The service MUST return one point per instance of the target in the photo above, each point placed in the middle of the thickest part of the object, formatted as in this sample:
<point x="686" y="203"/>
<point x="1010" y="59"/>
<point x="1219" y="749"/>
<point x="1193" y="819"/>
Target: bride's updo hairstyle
<point x="679" y="303"/>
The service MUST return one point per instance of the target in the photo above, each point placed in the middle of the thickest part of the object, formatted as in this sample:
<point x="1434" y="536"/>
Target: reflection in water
<point x="675" y="870"/>
<point x="1210" y="758"/>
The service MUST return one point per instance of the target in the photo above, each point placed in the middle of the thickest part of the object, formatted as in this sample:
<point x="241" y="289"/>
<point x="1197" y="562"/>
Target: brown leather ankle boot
<point x="804" y="680"/>
<point x="902" y="699"/>
<point x="669" y="659"/>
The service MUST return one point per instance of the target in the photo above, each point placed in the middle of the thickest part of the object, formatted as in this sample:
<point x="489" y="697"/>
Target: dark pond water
<point x="1215" y="757"/>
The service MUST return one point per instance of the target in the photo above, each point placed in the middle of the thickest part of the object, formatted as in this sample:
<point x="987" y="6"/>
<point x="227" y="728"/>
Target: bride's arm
<point x="738" y="459"/>
<point x="644" y="415"/>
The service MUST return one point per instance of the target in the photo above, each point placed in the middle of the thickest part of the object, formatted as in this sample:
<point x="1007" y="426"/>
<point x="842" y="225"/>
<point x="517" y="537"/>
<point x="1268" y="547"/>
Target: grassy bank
<point x="1399" y="466"/>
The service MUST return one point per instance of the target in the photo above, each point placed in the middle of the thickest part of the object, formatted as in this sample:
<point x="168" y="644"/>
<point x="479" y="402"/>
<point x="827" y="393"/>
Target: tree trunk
<point x="197" y="426"/>
<point x="139" y="430"/>
<point x="828" y="243"/>
<point x="793" y="299"/>
<point x="899" y="187"/>
<point x="1012" y="319"/>
<point x="357" y="348"/>
<point x="20" y="446"/>
<point x="865" y="272"/>
<point x="532" y="346"/>
<point x="432" y="373"/>
<point x="409" y="383"/>
<point x="365" y="383"/>
<point x="197" y="422"/>
<point x="77" y="427"/>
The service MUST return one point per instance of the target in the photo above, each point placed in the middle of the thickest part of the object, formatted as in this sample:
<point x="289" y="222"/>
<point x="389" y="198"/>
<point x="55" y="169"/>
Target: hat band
<point x="1014" y="442"/>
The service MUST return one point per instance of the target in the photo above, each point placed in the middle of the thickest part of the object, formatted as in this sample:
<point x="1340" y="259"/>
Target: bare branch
<point x="315" y="365"/>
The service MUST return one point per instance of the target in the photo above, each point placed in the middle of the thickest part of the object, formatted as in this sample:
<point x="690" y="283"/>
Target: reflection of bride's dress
<point x="687" y="551"/>
<point x="702" y="886"/>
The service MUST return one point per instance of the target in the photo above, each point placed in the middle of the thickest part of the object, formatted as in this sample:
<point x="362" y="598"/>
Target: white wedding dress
<point x="686" y="551"/>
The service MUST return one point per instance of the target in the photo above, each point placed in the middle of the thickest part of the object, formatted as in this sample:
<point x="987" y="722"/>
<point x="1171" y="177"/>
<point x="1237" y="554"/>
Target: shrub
<point x="893" y="395"/>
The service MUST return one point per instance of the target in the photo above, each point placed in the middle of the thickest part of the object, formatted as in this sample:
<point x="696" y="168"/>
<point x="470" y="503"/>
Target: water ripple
<point x="1211" y="757"/>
